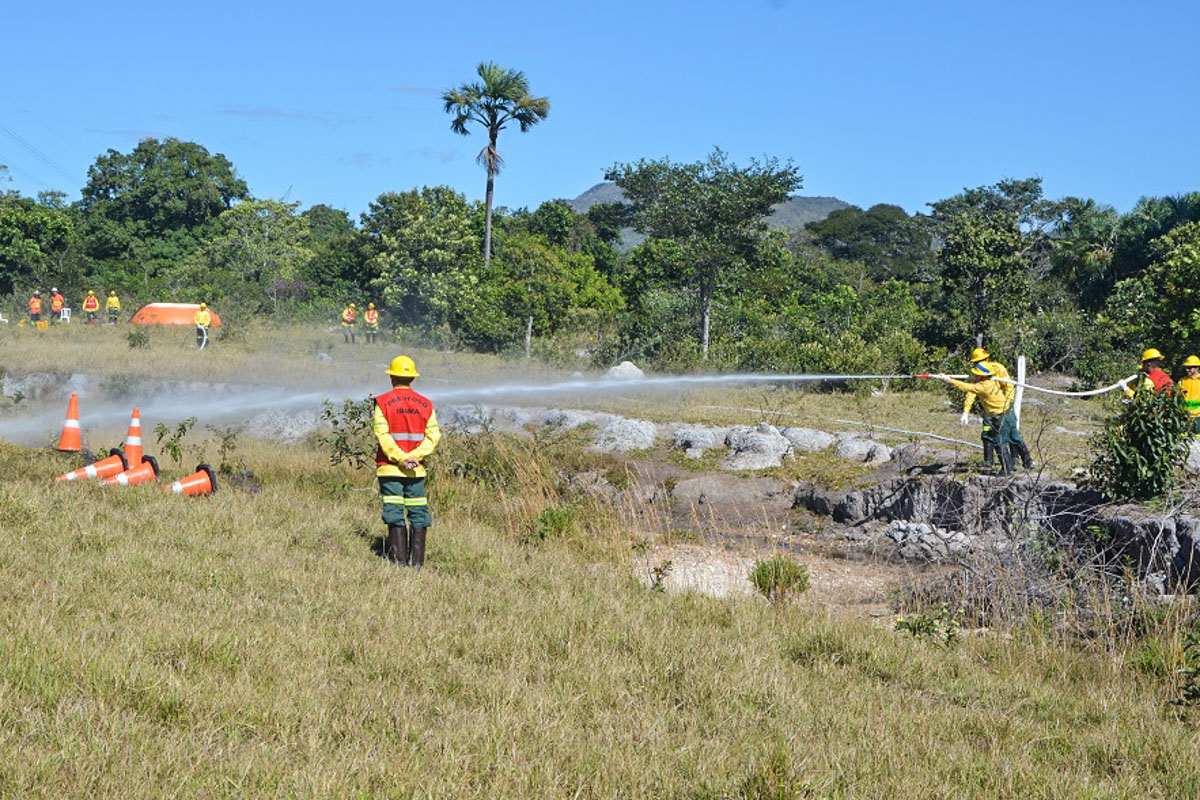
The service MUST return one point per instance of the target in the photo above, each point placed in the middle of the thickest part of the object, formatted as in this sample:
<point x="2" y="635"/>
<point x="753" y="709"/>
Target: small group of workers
<point x="370" y="320"/>
<point x="58" y="310"/>
<point x="993" y="389"/>
<point x="406" y="431"/>
<point x="1156" y="379"/>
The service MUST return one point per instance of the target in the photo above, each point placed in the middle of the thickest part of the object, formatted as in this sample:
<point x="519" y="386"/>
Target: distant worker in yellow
<point x="91" y="307"/>
<point x="1154" y="378"/>
<point x="406" y="430"/>
<point x="371" y="318"/>
<point x="203" y="320"/>
<point x="1189" y="385"/>
<point x="35" y="308"/>
<point x="113" y="306"/>
<point x="57" y="302"/>
<point x="979" y="356"/>
<point x="349" y="320"/>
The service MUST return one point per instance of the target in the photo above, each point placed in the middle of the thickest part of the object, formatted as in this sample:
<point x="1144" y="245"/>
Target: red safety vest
<point x="35" y="305"/>
<point x="1161" y="380"/>
<point x="56" y="302"/>
<point x="348" y="316"/>
<point x="91" y="303"/>
<point x="406" y="413"/>
<point x="372" y="317"/>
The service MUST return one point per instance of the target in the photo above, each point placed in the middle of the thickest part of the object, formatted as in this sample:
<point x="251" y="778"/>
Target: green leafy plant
<point x="172" y="441"/>
<point x="1139" y="452"/>
<point x="349" y="439"/>
<point x="138" y="338"/>
<point x="555" y="522"/>
<point x="778" y="576"/>
<point x="658" y="576"/>
<point x="937" y="624"/>
<point x="227" y="445"/>
<point x="1189" y="675"/>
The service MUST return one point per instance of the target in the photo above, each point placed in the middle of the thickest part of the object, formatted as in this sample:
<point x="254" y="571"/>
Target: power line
<point x="45" y="159"/>
<point x="7" y="162"/>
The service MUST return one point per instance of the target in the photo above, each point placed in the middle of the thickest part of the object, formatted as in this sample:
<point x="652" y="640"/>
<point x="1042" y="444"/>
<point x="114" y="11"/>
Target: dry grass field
<point x="252" y="644"/>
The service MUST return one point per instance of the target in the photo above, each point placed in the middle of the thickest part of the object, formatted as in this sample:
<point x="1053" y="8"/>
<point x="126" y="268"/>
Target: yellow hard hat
<point x="370" y="305"/>
<point x="204" y="305"/>
<point x="352" y="305"/>
<point x="1191" y="361"/>
<point x="403" y="367"/>
<point x="981" y="370"/>
<point x="978" y="354"/>
<point x="1151" y="353"/>
<point x="112" y="293"/>
<point x="90" y="291"/>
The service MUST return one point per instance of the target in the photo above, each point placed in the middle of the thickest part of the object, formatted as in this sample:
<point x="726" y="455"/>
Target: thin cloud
<point x="270" y="112"/>
<point x="432" y="154"/>
<point x="364" y="160"/>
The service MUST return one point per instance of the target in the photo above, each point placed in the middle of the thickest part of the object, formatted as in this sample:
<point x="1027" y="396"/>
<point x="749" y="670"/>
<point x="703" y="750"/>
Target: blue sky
<point x="893" y="102"/>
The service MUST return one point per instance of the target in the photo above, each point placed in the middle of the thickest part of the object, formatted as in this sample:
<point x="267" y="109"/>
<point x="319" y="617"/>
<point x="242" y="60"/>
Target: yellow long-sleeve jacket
<point x="396" y="469"/>
<point x="202" y="318"/>
<point x="1190" y="387"/>
<point x="998" y="371"/>
<point x="113" y="303"/>
<point x="992" y="398"/>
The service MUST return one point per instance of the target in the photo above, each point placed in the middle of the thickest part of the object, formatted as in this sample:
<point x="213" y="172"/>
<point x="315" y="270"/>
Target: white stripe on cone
<point x="133" y="440"/>
<point x="71" y="423"/>
<point x="177" y="487"/>
<point x="122" y="479"/>
<point x="89" y="470"/>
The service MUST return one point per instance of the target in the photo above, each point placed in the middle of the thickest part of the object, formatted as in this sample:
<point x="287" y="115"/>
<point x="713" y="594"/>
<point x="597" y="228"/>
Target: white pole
<point x="1020" y="389"/>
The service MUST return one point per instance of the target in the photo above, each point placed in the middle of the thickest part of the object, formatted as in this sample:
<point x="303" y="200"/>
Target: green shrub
<point x="778" y="576"/>
<point x="937" y="624"/>
<point x="138" y="338"/>
<point x="1139" y="453"/>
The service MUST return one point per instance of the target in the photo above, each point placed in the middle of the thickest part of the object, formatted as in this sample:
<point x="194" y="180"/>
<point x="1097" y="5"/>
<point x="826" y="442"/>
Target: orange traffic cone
<point x="69" y="441"/>
<point x="101" y="469"/>
<point x="200" y="482"/>
<point x="145" y="472"/>
<point x="133" y="440"/>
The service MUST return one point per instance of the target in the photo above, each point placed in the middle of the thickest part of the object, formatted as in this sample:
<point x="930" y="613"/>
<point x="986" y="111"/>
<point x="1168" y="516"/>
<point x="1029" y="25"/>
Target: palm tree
<point x="499" y="97"/>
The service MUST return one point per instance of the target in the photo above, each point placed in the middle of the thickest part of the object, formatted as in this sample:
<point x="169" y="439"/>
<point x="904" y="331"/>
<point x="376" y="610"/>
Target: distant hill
<point x="792" y="214"/>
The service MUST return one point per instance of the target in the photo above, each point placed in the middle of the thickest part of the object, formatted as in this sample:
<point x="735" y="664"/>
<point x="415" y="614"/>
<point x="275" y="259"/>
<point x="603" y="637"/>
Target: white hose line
<point x="852" y="422"/>
<point x="1118" y="385"/>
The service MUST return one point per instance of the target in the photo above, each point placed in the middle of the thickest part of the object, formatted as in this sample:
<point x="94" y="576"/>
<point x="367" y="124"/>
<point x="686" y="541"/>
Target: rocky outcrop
<point x="992" y="509"/>
<point x="761" y="447"/>
<point x="622" y="435"/>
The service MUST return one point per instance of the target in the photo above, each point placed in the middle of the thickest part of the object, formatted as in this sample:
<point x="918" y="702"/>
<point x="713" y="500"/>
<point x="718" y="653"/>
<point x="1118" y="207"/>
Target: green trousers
<point x="403" y="496"/>
<point x="1001" y="430"/>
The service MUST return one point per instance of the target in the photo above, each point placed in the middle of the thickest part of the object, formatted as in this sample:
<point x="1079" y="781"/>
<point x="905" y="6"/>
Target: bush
<point x="138" y="338"/>
<point x="776" y="577"/>
<point x="1139" y="453"/>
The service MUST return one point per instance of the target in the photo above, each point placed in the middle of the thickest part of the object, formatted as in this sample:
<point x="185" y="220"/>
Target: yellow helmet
<point x="90" y="291"/>
<point x="204" y="305"/>
<point x="1151" y="353"/>
<point x="352" y="305"/>
<point x="112" y="293"/>
<point x="978" y="354"/>
<point x="1191" y="361"/>
<point x="403" y="367"/>
<point x="370" y="305"/>
<point x="981" y="370"/>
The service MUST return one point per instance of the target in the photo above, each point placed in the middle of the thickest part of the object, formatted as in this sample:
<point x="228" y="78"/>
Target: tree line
<point x="1070" y="283"/>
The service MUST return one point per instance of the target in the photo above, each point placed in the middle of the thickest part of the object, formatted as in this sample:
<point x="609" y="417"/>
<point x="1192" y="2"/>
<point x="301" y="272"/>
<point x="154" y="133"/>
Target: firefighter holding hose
<point x="203" y="320"/>
<point x="406" y="430"/>
<point x="999" y="420"/>
<point x="980" y="357"/>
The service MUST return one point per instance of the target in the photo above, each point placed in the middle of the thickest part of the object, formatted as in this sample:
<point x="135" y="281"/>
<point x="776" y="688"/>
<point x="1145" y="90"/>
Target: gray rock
<point x="470" y="419"/>
<point x="863" y="450"/>
<point x="566" y="419"/>
<point x="1193" y="460"/>
<point x="755" y="448"/>
<point x="625" y="371"/>
<point x="622" y="435"/>
<point x="324" y="357"/>
<point x="808" y="440"/>
<point x="695" y="439"/>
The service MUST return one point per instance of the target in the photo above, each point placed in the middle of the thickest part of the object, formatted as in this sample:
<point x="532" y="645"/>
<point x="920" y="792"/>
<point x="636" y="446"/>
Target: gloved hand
<point x="965" y="419"/>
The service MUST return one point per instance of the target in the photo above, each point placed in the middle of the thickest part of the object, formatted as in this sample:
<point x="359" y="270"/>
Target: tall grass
<point x="253" y="645"/>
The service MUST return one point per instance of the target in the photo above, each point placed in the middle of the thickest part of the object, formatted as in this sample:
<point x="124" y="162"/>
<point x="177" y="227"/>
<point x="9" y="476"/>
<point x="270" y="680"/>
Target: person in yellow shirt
<point x="999" y="421"/>
<point x="980" y="357"/>
<point x="371" y="318"/>
<point x="407" y="432"/>
<point x="203" y="320"/>
<point x="113" y="306"/>
<point x="1189" y="385"/>
<point x="349" y="319"/>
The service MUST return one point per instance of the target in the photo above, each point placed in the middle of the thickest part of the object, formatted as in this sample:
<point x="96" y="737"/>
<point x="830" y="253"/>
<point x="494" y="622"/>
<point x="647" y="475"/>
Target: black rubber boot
<point x="989" y="454"/>
<point x="396" y="547"/>
<point x="1022" y="451"/>
<point x="418" y="548"/>
<point x="1006" y="463"/>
